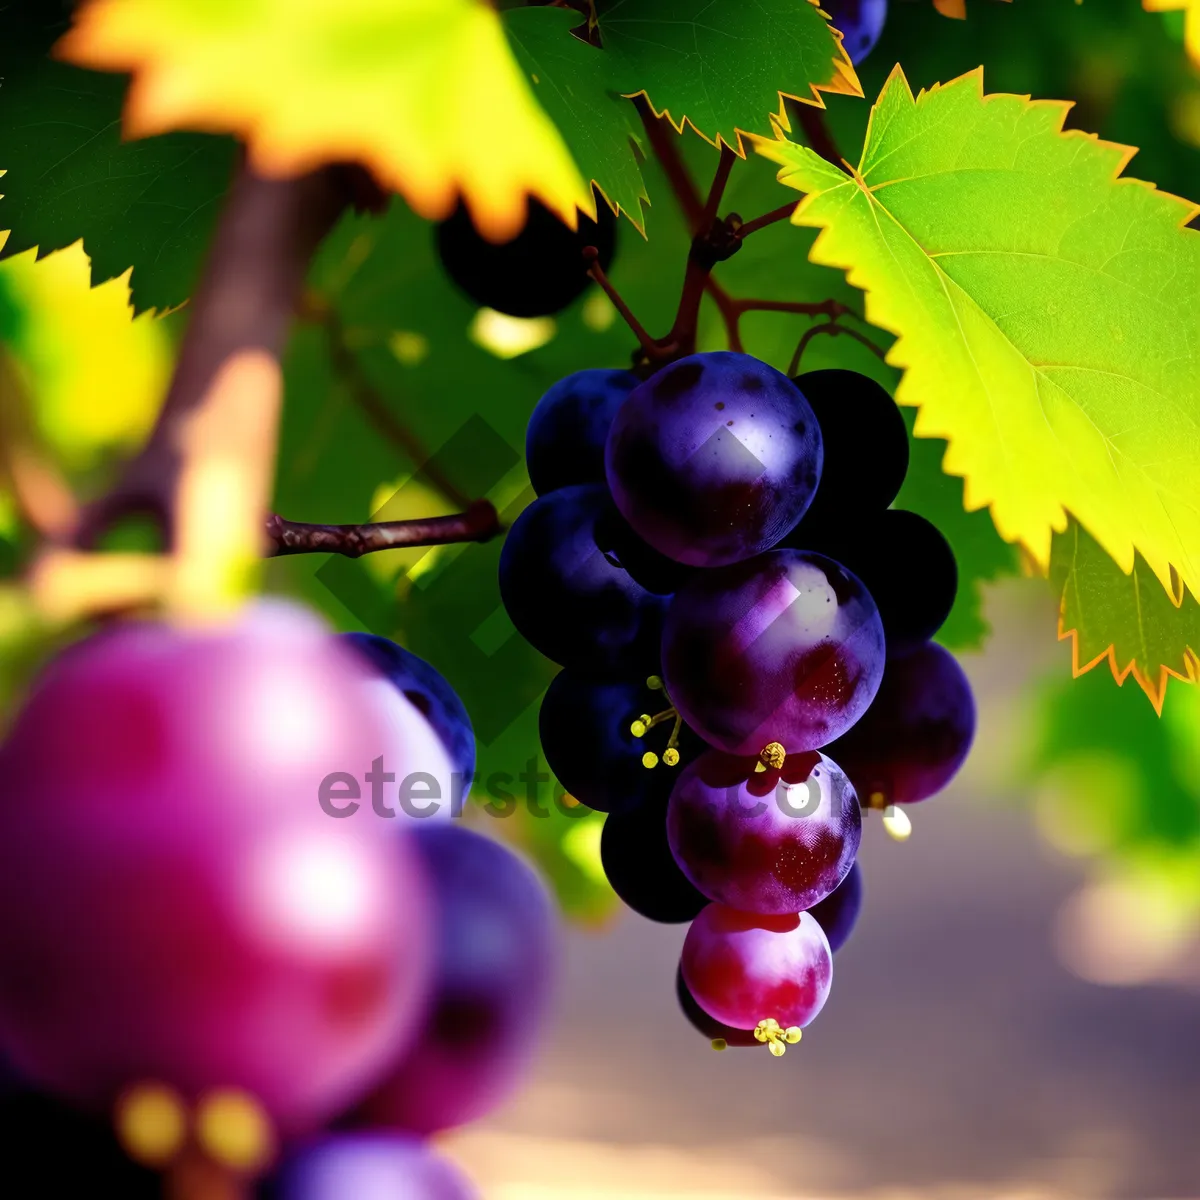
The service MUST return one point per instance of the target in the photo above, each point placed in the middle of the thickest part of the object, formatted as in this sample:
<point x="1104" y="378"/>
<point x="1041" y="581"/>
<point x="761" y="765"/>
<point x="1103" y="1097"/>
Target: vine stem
<point x="812" y="121"/>
<point x="479" y="523"/>
<point x="833" y="329"/>
<point x="266" y="237"/>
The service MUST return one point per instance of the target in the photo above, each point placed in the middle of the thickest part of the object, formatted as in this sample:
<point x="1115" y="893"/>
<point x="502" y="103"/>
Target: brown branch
<point x="731" y="314"/>
<point x="479" y="523"/>
<point x="812" y="121"/>
<point x="372" y="404"/>
<point x="260" y="254"/>
<point x="717" y="191"/>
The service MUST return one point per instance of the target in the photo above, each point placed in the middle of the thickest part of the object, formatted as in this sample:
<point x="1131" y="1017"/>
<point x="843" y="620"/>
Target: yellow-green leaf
<point x="1047" y="312"/>
<point x="426" y="93"/>
<point x="1191" y="11"/>
<point x="1126" y="620"/>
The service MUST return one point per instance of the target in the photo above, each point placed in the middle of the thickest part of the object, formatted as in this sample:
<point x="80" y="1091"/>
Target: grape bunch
<point x="179" y="913"/>
<point x="743" y="624"/>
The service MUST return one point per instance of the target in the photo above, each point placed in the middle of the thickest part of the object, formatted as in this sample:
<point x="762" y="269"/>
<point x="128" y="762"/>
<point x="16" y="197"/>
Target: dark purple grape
<point x="567" y="598"/>
<point x="866" y="446"/>
<point x="497" y="954"/>
<point x="564" y="443"/>
<point x="786" y="648"/>
<point x="714" y="458"/>
<point x="585" y="725"/>
<point x="709" y="1026"/>
<point x="838" y="912"/>
<point x="427" y="691"/>
<point x="368" y="1166"/>
<point x="742" y="968"/>
<point x="905" y="563"/>
<point x="53" y="1150"/>
<point x="915" y="735"/>
<point x="536" y="274"/>
<point x="639" y="865"/>
<point x="774" y="842"/>
<point x="654" y="571"/>
<point x="177" y="906"/>
<point x="861" y="23"/>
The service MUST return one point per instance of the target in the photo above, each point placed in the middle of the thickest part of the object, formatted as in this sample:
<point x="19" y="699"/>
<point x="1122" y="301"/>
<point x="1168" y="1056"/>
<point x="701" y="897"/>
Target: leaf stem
<point x="816" y="130"/>
<point x="782" y="213"/>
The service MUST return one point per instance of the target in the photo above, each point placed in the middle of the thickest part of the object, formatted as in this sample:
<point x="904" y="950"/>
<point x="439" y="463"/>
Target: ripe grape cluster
<point x="178" y="911"/>
<point x="743" y="624"/>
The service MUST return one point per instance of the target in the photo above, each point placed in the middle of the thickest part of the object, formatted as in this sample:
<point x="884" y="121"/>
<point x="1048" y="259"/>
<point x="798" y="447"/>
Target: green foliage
<point x="722" y="65"/>
<point x="1127" y="619"/>
<point x="150" y="205"/>
<point x="572" y="80"/>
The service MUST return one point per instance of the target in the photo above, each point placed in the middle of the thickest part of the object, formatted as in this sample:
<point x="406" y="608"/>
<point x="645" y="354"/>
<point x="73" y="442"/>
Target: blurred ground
<point x="956" y="1059"/>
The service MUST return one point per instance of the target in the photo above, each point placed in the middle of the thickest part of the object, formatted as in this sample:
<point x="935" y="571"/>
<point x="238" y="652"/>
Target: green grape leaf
<point x="425" y="93"/>
<point x="150" y="205"/>
<point x="571" y="80"/>
<point x="724" y="66"/>
<point x="1124" y="619"/>
<point x="1044" y="308"/>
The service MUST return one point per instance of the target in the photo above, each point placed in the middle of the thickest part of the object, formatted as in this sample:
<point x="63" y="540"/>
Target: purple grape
<point x="539" y="272"/>
<point x="865" y="442"/>
<point x="861" y="23"/>
<point x="497" y="953"/>
<point x="564" y="443"/>
<point x="176" y="905"/>
<point x="567" y="598"/>
<point x="838" y="913"/>
<point x="703" y="1023"/>
<point x="368" y="1166"/>
<point x="427" y="691"/>
<point x="714" y="458"/>
<point x="638" y="864"/>
<point x="774" y="842"/>
<point x="742" y="968"/>
<point x="786" y="648"/>
<point x="902" y="560"/>
<point x="655" y="572"/>
<point x="915" y="735"/>
<point x="585" y="724"/>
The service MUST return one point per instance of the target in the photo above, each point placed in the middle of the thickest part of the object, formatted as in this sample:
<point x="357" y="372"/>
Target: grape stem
<point x="816" y="131"/>
<point x="479" y="523"/>
<point x="833" y="329"/>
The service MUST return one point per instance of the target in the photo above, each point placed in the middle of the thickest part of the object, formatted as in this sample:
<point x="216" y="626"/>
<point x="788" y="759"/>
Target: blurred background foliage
<point x="404" y="400"/>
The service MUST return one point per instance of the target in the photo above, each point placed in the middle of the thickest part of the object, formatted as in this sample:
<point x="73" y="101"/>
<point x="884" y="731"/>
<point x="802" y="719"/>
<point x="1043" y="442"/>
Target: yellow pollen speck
<point x="151" y="1123"/>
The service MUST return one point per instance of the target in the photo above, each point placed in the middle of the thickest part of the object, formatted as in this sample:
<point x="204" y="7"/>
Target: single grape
<point x="367" y="1166"/>
<point x="537" y="273"/>
<point x="646" y="566"/>
<point x="861" y="23"/>
<point x="638" y="863"/>
<point x="53" y="1150"/>
<point x="703" y="1023"/>
<point x="176" y="905"/>
<point x="567" y="598"/>
<point x="838" y="913"/>
<point x="564" y="443"/>
<point x="744" y="968"/>
<point x="906" y="565"/>
<point x="866" y="446"/>
<point x="915" y="735"/>
<point x="586" y="727"/>
<point x="775" y="841"/>
<point x="428" y="692"/>
<point x="497" y="952"/>
<point x="714" y="458"/>
<point x="786" y="648"/>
